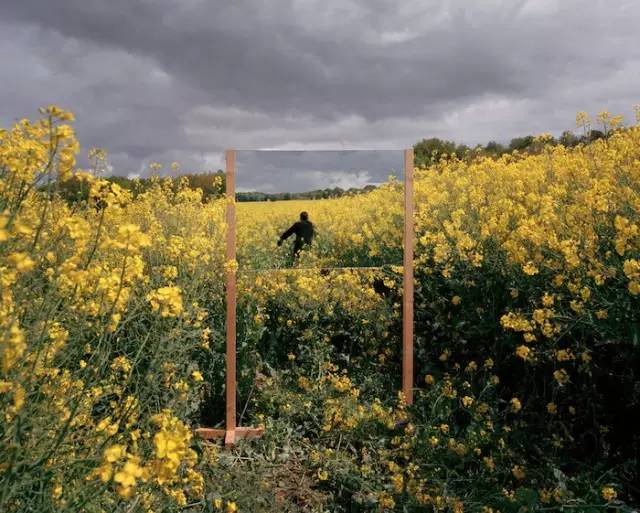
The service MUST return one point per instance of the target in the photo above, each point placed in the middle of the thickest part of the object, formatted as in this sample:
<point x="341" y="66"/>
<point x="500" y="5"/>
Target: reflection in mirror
<point x="319" y="209"/>
<point x="284" y="310"/>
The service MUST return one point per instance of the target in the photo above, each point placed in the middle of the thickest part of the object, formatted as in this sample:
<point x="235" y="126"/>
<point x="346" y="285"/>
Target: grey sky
<point x="161" y="80"/>
<point x="299" y="171"/>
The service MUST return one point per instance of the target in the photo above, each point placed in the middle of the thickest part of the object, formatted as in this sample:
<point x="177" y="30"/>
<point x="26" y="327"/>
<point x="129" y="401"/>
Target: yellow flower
<point x="509" y="494"/>
<point x="516" y="406"/>
<point x="21" y="261"/>
<point x="518" y="472"/>
<point x="231" y="266"/>
<point x="114" y="453"/>
<point x="127" y="477"/>
<point x="561" y="376"/>
<point x="18" y="397"/>
<point x="397" y="480"/>
<point x="57" y="492"/>
<point x="545" y="496"/>
<point x="4" y="220"/>
<point x="171" y="447"/>
<point x="489" y="463"/>
<point x="524" y="352"/>
<point x="386" y="501"/>
<point x="608" y="493"/>
<point x="563" y="355"/>
<point x="166" y="300"/>
<point x="471" y="367"/>
<point x="197" y="376"/>
<point x="232" y="507"/>
<point x="576" y="306"/>
<point x="552" y="408"/>
<point x="467" y="401"/>
<point x="429" y="380"/>
<point x="583" y="120"/>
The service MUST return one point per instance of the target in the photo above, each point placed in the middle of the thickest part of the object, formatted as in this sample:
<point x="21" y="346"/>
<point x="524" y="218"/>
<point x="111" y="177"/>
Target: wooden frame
<point x="231" y="433"/>
<point x="407" y="280"/>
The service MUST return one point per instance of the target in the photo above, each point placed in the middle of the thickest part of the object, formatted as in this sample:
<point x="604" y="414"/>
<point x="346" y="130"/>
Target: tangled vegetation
<point x="527" y="329"/>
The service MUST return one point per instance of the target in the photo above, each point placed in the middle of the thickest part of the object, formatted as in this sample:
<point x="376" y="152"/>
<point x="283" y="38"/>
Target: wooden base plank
<point x="249" y="432"/>
<point x="210" y="433"/>
<point x="230" y="436"/>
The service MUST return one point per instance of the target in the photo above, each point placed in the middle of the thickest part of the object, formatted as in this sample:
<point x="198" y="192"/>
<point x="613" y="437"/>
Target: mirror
<point x="319" y="209"/>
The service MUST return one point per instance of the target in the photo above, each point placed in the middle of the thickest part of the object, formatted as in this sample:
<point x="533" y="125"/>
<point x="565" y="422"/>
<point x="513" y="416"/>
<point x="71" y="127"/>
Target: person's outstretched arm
<point x="288" y="233"/>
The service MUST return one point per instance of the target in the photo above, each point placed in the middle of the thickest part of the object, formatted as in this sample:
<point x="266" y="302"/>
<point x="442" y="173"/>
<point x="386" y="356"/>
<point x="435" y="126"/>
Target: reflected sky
<point x="301" y="171"/>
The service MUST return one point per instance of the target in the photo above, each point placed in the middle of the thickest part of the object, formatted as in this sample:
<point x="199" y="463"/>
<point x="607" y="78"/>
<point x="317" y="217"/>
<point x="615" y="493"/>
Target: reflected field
<point x="354" y="205"/>
<point x="351" y="231"/>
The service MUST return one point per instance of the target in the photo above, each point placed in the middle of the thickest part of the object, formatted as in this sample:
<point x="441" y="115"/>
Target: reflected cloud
<point x="302" y="171"/>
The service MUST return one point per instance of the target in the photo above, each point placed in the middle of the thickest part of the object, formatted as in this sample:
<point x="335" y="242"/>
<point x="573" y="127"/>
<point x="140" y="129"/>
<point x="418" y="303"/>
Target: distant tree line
<point x="430" y="151"/>
<point x="426" y="152"/>
<point x="335" y="192"/>
<point x="212" y="185"/>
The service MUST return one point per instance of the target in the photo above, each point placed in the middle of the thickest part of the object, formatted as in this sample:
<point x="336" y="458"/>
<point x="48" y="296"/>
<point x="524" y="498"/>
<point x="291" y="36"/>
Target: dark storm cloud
<point x="165" y="80"/>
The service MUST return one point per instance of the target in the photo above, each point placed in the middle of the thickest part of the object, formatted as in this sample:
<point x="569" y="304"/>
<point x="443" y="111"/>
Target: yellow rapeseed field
<point x="359" y="231"/>
<point x="527" y="329"/>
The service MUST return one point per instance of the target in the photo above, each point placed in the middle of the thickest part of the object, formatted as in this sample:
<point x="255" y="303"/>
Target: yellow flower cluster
<point x="76" y="277"/>
<point x="166" y="300"/>
<point x="173" y="452"/>
<point x="30" y="149"/>
<point x="171" y="467"/>
<point x="121" y="467"/>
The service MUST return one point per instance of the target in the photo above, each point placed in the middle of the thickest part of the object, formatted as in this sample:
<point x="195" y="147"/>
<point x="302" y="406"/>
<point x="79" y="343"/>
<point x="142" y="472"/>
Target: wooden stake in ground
<point x="407" y="280"/>
<point x="231" y="433"/>
<point x="231" y="298"/>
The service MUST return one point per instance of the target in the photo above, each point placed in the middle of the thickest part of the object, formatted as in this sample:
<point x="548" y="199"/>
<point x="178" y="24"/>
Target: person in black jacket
<point x="303" y="230"/>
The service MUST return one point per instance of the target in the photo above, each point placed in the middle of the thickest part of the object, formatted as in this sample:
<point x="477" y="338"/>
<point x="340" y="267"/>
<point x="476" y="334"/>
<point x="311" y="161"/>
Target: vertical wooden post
<point x="407" y="280"/>
<point x="230" y="427"/>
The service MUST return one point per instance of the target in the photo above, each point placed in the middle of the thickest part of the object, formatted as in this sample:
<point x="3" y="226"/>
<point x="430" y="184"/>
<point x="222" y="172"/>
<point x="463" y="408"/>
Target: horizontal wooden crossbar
<point x="230" y="436"/>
